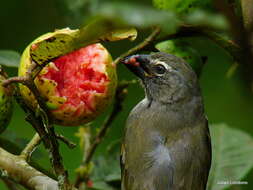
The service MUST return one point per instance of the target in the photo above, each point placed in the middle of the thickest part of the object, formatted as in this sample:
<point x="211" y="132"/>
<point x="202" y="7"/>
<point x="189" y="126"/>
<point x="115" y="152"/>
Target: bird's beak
<point x="139" y="65"/>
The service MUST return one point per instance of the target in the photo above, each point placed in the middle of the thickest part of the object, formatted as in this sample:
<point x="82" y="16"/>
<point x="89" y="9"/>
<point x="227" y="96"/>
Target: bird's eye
<point x="160" y="69"/>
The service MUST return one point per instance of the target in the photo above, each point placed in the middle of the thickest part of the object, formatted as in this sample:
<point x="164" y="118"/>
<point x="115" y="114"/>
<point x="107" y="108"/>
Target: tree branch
<point x="15" y="149"/>
<point x="16" y="168"/>
<point x="192" y="31"/>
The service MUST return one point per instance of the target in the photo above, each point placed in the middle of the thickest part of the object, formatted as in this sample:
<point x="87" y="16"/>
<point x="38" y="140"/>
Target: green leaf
<point x="138" y="16"/>
<point x="105" y="30"/>
<point x="232" y="155"/>
<point x="180" y="6"/>
<point x="206" y="19"/>
<point x="75" y="12"/>
<point x="9" y="58"/>
<point x="106" y="173"/>
<point x="174" y="5"/>
<point x="106" y="168"/>
<point x="61" y="42"/>
<point x="113" y="177"/>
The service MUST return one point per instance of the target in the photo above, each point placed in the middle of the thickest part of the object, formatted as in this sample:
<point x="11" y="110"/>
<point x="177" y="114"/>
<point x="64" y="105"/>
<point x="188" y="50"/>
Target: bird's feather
<point x="167" y="159"/>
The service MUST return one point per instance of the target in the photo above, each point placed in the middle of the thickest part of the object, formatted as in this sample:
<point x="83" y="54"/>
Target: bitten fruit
<point x="77" y="86"/>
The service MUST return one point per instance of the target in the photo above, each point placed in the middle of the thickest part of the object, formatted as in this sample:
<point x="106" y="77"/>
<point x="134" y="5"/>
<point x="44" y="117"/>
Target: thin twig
<point x="14" y="80"/>
<point x="30" y="147"/>
<point x="140" y="46"/>
<point x="66" y="141"/>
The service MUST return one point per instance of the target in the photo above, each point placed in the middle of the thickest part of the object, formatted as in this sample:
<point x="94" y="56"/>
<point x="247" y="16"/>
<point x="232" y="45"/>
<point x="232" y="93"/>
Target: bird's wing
<point x="195" y="158"/>
<point x="201" y="163"/>
<point x="207" y="157"/>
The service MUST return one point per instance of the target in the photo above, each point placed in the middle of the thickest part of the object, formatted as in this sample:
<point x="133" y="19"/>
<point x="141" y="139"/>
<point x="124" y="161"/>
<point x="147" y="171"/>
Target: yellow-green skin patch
<point x="65" y="115"/>
<point x="6" y="105"/>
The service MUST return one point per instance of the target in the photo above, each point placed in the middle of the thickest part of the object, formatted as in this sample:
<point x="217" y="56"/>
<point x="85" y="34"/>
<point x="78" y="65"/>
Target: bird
<point x="166" y="143"/>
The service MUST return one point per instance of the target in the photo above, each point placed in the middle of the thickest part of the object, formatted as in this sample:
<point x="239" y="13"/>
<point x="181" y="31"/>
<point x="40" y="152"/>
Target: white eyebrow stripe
<point x="167" y="67"/>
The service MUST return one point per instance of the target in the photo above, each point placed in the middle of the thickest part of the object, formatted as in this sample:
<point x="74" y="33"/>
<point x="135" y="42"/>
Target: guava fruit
<point x="77" y="86"/>
<point x="6" y="104"/>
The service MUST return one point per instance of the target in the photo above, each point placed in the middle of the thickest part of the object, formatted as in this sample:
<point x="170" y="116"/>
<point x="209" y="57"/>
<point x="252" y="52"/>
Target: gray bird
<point x="167" y="143"/>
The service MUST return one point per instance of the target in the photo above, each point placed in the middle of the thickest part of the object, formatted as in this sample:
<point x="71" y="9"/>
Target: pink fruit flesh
<point x="80" y="75"/>
<point x="132" y="61"/>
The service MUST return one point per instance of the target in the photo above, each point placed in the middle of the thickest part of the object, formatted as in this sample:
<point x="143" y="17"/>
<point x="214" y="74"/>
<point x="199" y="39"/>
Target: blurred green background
<point x="227" y="100"/>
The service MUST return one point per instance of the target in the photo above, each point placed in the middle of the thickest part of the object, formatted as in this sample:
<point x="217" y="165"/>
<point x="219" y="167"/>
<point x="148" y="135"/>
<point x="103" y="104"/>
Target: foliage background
<point x="227" y="100"/>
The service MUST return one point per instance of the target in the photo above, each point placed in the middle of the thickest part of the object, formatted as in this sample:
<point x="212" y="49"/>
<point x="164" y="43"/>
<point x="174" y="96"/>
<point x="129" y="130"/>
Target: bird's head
<point x="166" y="78"/>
